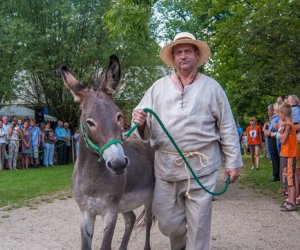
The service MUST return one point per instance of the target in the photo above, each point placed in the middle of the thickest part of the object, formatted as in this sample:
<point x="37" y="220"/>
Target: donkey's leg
<point x="87" y="229"/>
<point x="129" y="218"/>
<point x="148" y="223"/>
<point x="109" y="224"/>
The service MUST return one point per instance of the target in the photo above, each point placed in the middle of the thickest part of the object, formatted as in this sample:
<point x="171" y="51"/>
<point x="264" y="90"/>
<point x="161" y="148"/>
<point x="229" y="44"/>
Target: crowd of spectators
<point x="24" y="143"/>
<point x="280" y="136"/>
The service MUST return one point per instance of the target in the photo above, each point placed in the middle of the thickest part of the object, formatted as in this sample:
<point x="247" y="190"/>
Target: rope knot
<point x="179" y="161"/>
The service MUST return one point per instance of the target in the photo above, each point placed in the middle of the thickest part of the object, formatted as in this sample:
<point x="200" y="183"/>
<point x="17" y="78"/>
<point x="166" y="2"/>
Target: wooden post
<point x="72" y="143"/>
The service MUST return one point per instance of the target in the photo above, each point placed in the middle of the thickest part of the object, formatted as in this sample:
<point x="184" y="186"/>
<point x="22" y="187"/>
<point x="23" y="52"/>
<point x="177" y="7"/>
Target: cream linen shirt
<point x="199" y="119"/>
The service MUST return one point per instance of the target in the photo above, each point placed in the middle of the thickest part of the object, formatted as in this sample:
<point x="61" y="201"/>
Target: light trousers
<point x="187" y="222"/>
<point x="13" y="150"/>
<point x="48" y="154"/>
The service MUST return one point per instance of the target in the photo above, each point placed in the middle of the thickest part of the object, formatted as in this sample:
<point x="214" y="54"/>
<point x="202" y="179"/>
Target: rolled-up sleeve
<point x="229" y="139"/>
<point x="146" y="102"/>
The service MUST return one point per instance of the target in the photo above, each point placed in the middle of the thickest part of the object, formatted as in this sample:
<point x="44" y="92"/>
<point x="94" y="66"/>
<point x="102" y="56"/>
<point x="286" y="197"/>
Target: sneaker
<point x="252" y="167"/>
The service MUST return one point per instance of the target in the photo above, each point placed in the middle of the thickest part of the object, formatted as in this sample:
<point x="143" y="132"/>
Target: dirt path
<point x="242" y="219"/>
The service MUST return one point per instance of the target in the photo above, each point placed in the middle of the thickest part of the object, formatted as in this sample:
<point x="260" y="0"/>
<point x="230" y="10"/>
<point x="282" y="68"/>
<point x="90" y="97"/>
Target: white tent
<point x="21" y="112"/>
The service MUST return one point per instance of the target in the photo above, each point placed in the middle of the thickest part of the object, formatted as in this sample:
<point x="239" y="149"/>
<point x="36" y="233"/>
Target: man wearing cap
<point x="195" y="109"/>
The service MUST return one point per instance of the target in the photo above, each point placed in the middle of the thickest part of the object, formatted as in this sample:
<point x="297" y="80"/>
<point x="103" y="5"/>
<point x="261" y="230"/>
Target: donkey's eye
<point x="90" y="123"/>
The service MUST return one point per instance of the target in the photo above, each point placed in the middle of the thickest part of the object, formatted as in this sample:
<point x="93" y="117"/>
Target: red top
<point x="253" y="134"/>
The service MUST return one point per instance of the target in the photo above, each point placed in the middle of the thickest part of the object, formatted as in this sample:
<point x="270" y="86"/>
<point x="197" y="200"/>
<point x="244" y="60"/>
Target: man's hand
<point x="234" y="174"/>
<point x="139" y="117"/>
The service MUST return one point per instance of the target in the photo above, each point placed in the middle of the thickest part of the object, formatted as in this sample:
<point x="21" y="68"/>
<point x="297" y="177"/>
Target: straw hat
<point x="166" y="53"/>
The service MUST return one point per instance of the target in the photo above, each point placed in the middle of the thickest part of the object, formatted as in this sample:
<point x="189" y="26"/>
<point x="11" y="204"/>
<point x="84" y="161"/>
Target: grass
<point x="259" y="180"/>
<point x="17" y="187"/>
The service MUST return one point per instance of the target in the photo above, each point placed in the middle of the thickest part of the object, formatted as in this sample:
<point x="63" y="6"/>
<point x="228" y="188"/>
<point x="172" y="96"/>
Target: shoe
<point x="288" y="208"/>
<point x="274" y="179"/>
<point x="281" y="190"/>
<point x="284" y="204"/>
<point x="252" y="167"/>
<point x="257" y="169"/>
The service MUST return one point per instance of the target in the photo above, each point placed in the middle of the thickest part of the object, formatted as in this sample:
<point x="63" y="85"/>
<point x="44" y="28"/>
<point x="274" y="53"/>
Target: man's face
<point x="66" y="125"/>
<point x="185" y="57"/>
<point x="5" y="119"/>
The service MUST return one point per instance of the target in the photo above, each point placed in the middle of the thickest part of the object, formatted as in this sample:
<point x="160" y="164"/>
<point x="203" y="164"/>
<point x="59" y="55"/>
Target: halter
<point x="94" y="147"/>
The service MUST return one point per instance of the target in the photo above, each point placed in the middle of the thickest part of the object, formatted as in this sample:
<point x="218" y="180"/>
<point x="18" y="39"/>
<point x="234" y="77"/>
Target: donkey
<point x="122" y="179"/>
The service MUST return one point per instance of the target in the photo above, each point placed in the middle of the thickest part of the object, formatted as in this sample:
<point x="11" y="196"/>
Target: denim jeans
<point x="48" y="154"/>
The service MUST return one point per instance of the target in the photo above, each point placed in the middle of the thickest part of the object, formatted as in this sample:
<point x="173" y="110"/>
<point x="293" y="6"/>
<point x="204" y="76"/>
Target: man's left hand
<point x="234" y="174"/>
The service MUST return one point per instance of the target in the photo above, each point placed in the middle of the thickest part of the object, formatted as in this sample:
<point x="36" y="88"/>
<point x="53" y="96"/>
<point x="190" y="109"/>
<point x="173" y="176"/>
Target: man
<point x="273" y="149"/>
<point x="35" y="134"/>
<point x="195" y="109"/>
<point x="61" y="135"/>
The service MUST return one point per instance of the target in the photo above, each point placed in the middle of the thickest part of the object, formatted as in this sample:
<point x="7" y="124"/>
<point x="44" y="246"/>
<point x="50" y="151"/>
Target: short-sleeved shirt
<point x="289" y="149"/>
<point x="35" y="134"/>
<point x="295" y="114"/>
<point x="253" y="135"/>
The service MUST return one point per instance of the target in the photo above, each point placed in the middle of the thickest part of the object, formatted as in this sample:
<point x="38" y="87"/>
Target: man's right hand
<point x="139" y="117"/>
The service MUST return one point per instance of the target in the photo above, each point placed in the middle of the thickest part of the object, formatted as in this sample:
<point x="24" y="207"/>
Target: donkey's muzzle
<point x="118" y="166"/>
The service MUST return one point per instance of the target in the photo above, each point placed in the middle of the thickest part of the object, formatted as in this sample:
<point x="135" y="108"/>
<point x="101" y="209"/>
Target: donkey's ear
<point x="72" y="83"/>
<point x="112" y="76"/>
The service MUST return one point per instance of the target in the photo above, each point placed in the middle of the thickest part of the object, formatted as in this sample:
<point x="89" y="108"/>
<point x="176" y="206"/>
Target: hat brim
<point x="166" y="54"/>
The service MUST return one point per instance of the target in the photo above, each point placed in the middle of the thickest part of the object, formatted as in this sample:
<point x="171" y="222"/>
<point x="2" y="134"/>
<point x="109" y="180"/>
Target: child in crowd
<point x="253" y="133"/>
<point x="35" y="134"/>
<point x="245" y="142"/>
<point x="288" y="139"/>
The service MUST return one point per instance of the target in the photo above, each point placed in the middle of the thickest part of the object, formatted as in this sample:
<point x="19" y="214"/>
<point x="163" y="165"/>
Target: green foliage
<point x="39" y="36"/>
<point x="21" y="185"/>
<point x="255" y="52"/>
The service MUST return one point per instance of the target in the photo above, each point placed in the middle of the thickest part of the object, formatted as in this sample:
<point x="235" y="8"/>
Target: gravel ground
<point x="242" y="219"/>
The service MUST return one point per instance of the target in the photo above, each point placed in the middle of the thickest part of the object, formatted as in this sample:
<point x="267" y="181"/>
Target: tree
<point x="255" y="55"/>
<point x="73" y="32"/>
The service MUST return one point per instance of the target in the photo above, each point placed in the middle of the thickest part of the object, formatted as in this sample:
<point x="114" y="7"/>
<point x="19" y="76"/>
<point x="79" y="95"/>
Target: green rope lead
<point x="147" y="110"/>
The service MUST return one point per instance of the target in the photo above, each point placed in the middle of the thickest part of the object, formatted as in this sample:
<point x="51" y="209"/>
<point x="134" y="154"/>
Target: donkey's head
<point x="100" y="116"/>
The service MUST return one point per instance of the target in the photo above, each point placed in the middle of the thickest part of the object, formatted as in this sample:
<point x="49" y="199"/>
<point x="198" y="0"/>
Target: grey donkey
<point x="123" y="179"/>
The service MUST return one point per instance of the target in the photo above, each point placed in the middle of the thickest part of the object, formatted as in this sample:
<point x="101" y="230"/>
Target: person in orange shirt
<point x="288" y="153"/>
<point x="254" y="141"/>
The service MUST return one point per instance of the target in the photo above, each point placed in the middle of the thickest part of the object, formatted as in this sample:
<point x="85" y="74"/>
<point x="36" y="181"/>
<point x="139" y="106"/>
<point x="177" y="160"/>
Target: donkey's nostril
<point x="127" y="162"/>
<point x="118" y="166"/>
